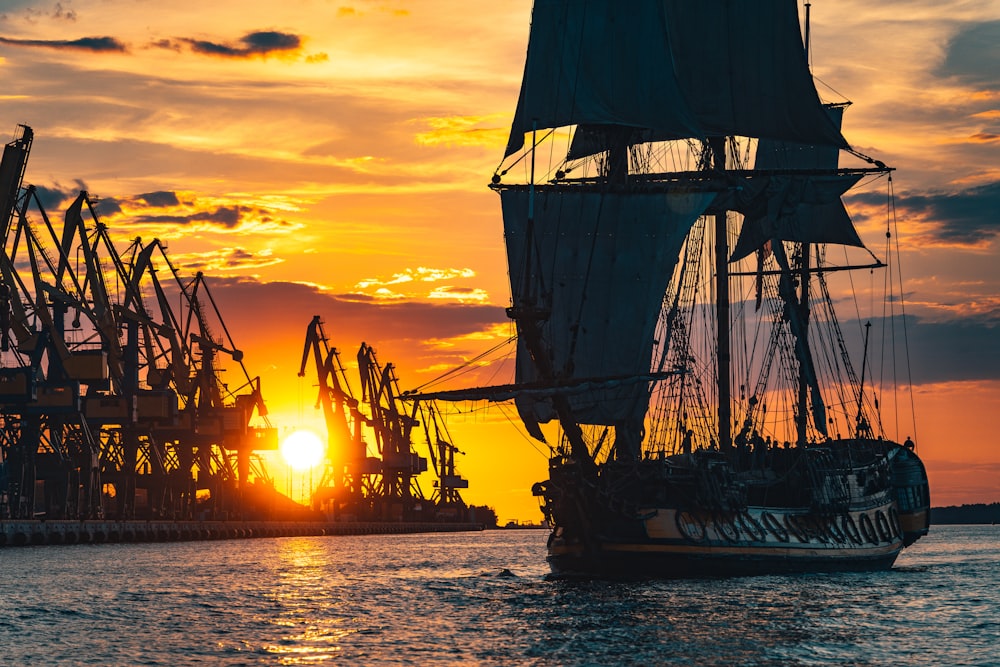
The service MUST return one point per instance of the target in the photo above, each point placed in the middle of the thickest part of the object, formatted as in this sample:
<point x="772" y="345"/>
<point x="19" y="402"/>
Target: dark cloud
<point x="32" y="13"/>
<point x="51" y="198"/>
<point x="252" y="44"/>
<point x="966" y="217"/>
<point x="985" y="137"/>
<point x="227" y="260"/>
<point x="109" y="206"/>
<point x="271" y="41"/>
<point x="159" y="199"/>
<point x="56" y="196"/>
<point x="65" y="13"/>
<point x="953" y="350"/>
<point x="227" y="216"/>
<point x="105" y="44"/>
<point x="963" y="349"/>
<point x="166" y="207"/>
<point x="973" y="55"/>
<point x="159" y="220"/>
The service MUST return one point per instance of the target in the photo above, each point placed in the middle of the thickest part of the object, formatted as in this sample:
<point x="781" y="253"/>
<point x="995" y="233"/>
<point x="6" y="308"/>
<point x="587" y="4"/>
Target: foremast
<point x="528" y="314"/>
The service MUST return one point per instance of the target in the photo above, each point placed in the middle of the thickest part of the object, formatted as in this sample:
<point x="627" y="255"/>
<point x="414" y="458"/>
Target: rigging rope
<point x="520" y="431"/>
<point x="462" y="368"/>
<point x="902" y="306"/>
<point x="890" y="303"/>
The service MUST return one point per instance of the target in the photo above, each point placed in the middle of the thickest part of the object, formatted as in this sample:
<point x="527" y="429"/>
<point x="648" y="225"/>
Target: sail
<point x="599" y="263"/>
<point x="675" y="68"/>
<point x="803" y="208"/>
<point x="772" y="155"/>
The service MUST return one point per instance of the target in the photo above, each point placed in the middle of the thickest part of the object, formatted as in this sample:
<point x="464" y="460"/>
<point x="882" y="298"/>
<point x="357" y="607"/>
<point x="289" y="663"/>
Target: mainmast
<point x="718" y="146"/>
<point x="801" y="419"/>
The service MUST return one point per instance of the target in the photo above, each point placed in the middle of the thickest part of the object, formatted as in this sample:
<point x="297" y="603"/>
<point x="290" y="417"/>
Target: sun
<point x="302" y="450"/>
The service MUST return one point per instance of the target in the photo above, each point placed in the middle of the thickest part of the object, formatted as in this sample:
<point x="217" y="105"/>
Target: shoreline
<point x="38" y="532"/>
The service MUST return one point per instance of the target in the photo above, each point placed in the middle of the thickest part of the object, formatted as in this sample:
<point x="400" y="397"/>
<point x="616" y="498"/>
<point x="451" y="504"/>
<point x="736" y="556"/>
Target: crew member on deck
<point x="909" y="444"/>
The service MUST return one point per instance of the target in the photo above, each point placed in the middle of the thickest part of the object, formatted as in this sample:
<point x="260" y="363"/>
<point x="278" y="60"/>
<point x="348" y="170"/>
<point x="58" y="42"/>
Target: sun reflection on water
<point x="310" y="616"/>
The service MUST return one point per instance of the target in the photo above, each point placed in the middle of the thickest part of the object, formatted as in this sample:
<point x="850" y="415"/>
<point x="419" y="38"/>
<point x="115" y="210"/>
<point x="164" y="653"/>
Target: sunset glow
<point x="332" y="159"/>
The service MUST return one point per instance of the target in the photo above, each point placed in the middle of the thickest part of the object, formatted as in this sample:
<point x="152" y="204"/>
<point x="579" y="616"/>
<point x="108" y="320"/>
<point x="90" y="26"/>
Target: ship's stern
<point x="912" y="493"/>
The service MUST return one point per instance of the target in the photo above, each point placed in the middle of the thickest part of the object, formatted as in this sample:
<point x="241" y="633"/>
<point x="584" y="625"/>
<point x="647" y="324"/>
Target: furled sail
<point x="599" y="263"/>
<point x="651" y="67"/>
<point x="803" y="208"/>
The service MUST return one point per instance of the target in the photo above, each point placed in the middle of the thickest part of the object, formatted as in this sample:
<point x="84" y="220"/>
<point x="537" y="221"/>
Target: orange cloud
<point x="423" y="274"/>
<point x="992" y="114"/>
<point x="226" y="261"/>
<point x="463" y="131"/>
<point x="984" y="95"/>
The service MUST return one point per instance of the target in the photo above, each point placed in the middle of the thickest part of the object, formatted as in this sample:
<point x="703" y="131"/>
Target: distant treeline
<point x="966" y="514"/>
<point x="484" y="515"/>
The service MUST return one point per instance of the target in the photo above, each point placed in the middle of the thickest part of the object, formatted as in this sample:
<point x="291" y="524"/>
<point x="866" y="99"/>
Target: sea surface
<point x="481" y="599"/>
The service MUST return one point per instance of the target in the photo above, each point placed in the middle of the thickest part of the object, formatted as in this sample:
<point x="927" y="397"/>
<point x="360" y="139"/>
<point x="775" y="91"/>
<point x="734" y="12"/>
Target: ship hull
<point x="741" y="545"/>
<point x="854" y="507"/>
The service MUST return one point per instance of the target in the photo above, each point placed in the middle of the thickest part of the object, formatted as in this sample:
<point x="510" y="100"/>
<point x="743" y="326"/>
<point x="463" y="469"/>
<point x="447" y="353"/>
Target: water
<point x="480" y="599"/>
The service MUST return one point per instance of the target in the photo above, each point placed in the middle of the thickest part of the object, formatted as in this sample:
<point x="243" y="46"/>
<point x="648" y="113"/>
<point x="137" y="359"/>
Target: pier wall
<point x="33" y="533"/>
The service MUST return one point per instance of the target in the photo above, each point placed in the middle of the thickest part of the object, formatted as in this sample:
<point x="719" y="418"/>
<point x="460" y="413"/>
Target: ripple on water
<point x="479" y="598"/>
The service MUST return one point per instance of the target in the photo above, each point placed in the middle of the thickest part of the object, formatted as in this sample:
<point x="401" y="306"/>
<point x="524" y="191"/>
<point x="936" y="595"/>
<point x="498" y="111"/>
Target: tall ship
<point x="673" y="280"/>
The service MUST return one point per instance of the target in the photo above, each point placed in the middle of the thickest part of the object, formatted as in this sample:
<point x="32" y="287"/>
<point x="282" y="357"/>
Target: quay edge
<point x="37" y="532"/>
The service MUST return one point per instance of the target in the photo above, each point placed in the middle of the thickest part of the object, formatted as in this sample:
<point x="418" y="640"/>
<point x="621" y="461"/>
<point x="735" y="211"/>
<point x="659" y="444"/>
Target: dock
<point x="37" y="532"/>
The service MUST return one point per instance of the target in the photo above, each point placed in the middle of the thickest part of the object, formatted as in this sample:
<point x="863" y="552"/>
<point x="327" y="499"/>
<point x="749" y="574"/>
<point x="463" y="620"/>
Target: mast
<point x="801" y="419"/>
<point x="808" y="13"/>
<point x="718" y="145"/>
<point x="862" y="426"/>
<point x="617" y="160"/>
<point x="529" y="316"/>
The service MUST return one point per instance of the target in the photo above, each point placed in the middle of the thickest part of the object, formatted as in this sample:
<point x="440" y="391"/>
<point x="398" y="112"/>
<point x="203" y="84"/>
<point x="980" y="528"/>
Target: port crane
<point x="112" y="402"/>
<point x="384" y="486"/>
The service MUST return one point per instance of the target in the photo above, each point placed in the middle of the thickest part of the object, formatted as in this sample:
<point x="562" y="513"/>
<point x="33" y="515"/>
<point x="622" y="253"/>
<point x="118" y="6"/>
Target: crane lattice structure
<point x="383" y="486"/>
<point x="112" y="402"/>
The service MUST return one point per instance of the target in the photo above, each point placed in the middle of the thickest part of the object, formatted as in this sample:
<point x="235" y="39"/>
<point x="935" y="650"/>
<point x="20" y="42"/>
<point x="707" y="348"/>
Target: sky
<point x="330" y="158"/>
